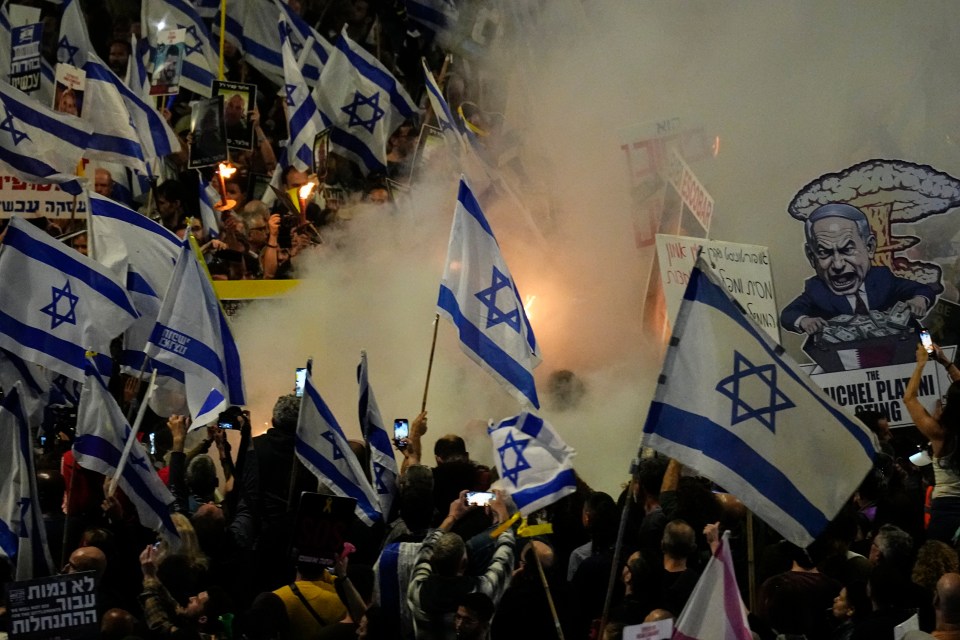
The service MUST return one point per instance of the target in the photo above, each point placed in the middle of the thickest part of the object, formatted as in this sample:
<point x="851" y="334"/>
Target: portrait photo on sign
<point x="69" y="90"/>
<point x="208" y="142"/>
<point x="239" y="101"/>
<point x="167" y="65"/>
<point x="321" y="154"/>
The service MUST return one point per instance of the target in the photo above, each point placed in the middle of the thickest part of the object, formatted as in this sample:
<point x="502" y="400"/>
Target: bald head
<point x="117" y="623"/>
<point x="947" y="600"/>
<point x="87" y="559"/>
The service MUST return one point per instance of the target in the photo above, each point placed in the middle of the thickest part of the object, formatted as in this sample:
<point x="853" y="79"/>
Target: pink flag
<point x="715" y="610"/>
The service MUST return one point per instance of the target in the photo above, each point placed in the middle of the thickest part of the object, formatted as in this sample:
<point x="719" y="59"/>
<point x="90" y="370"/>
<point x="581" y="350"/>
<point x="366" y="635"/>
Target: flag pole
<point x="67" y="525"/>
<point x="132" y="437"/>
<point x="433" y="348"/>
<point x="618" y="549"/>
<point x="546" y="588"/>
<point x="223" y="30"/>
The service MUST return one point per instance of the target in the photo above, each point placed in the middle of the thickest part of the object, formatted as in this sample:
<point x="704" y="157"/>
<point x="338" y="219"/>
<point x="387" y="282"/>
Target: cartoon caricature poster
<point x="877" y="278"/>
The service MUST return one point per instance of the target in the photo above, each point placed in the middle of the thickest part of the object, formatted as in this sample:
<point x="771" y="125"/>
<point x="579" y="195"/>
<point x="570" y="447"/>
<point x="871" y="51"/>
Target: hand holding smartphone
<point x="926" y="341"/>
<point x="401" y="431"/>
<point x="479" y="498"/>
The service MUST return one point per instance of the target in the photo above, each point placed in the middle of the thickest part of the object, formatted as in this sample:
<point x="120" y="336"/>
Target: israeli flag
<point x="363" y="102"/>
<point x="142" y="253"/>
<point x="250" y="28"/>
<point x="383" y="465"/>
<point x="442" y="111"/>
<point x="56" y="304"/>
<point x="38" y="144"/>
<point x="35" y="383"/>
<point x="192" y="336"/>
<point x="303" y="117"/>
<point x="732" y="405"/>
<point x="23" y="538"/>
<point x="202" y="62"/>
<point x="323" y="448"/>
<point x="130" y="131"/>
<point x="436" y="15"/>
<point x="102" y="434"/>
<point x="208" y="215"/>
<point x="480" y="298"/>
<point x="535" y="465"/>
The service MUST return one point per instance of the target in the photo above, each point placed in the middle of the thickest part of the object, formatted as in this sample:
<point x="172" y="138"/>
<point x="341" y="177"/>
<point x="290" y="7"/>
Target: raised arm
<point x="926" y="423"/>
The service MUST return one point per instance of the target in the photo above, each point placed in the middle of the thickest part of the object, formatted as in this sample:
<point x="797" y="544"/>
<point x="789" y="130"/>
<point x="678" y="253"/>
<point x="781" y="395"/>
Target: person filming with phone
<point x="943" y="430"/>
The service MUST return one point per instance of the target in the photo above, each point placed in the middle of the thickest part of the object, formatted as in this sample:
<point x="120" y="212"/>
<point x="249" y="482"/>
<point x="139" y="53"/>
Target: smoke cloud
<point x="793" y="90"/>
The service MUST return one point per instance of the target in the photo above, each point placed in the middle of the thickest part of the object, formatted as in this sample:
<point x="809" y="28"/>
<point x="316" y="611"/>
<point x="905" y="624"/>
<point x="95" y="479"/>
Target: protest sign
<point x="659" y="630"/>
<point x="71" y="84"/>
<point x="29" y="200"/>
<point x="62" y="607"/>
<point x="25" y="57"/>
<point x="168" y="62"/>
<point x="209" y="142"/>
<point x="239" y="99"/>
<point x="744" y="270"/>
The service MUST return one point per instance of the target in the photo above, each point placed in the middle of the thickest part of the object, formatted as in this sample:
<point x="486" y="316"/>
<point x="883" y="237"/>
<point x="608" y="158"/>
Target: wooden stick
<point x="133" y="436"/>
<point x="433" y="348"/>
<point x="223" y="31"/>
<point x="546" y="587"/>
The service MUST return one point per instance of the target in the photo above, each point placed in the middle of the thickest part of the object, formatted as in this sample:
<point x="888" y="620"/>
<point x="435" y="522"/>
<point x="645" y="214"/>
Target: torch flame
<point x="305" y="190"/>
<point x="226" y="170"/>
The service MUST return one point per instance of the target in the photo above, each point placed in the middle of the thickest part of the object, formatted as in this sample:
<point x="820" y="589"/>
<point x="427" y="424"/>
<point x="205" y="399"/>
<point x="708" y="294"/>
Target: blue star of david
<point x="52" y="309"/>
<point x="289" y="89"/>
<point x="517" y="446"/>
<point x="743" y="369"/>
<point x="359" y="100"/>
<point x="332" y="439"/>
<point x="488" y="297"/>
<point x="192" y="32"/>
<point x="378" y="471"/>
<point x="139" y="461"/>
<point x="294" y="45"/>
<point x="7" y="125"/>
<point x="69" y="48"/>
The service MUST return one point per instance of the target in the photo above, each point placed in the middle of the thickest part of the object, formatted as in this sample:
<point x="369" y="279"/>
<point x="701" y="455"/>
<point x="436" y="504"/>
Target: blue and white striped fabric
<point x="23" y="537"/>
<point x="56" y="304"/>
<point x="143" y="254"/>
<point x="363" y="102"/>
<point x="130" y="131"/>
<point x="303" y="117"/>
<point x="202" y="61"/>
<point x="732" y="405"/>
<point x="102" y="433"/>
<point x="35" y="384"/>
<point x="480" y="298"/>
<point x="250" y="29"/>
<point x="208" y="215"/>
<point x="436" y="15"/>
<point x="39" y="144"/>
<point x="383" y="465"/>
<point x="207" y="9"/>
<point x="445" y="119"/>
<point x="192" y="336"/>
<point x="323" y="448"/>
<point x="534" y="463"/>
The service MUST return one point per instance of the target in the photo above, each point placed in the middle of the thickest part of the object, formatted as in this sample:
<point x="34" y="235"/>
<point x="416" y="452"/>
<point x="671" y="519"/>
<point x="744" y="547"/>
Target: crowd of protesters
<point x="439" y="567"/>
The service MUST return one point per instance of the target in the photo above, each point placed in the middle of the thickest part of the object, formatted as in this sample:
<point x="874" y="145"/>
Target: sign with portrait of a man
<point x="239" y="101"/>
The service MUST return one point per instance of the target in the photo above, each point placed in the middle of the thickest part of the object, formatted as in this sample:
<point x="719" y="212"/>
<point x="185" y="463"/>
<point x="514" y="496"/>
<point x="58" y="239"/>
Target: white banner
<point x="744" y="270"/>
<point x="29" y="200"/>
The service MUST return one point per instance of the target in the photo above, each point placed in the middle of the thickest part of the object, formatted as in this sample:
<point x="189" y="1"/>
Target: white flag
<point x="383" y="464"/>
<point x="56" y="304"/>
<point x="480" y="298"/>
<point x="732" y="405"/>
<point x="192" y="336"/>
<point x="323" y="448"/>
<point x="535" y="464"/>
<point x="102" y="434"/>
<point x="23" y="537"/>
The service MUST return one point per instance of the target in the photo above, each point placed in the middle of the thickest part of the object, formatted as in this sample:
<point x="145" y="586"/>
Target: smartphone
<point x="926" y="340"/>
<point x="401" y="430"/>
<point x="153" y="444"/>
<point x="301" y="380"/>
<point x="479" y="498"/>
<point x="226" y="424"/>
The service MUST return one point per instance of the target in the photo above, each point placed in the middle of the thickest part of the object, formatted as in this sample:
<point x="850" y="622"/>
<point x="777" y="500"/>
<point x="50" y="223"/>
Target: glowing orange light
<point x="528" y="305"/>
<point x="226" y="171"/>
<point x="305" y="190"/>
